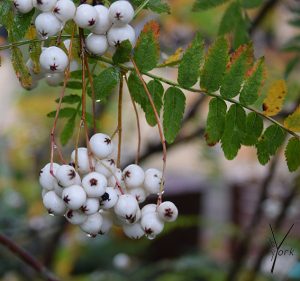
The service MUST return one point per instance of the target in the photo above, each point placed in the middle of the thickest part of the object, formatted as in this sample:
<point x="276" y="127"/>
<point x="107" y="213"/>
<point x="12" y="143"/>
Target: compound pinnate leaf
<point x="215" y="65"/>
<point x="189" y="67"/>
<point x="75" y="85"/>
<point x="156" y="90"/>
<point x="254" y="128"/>
<point x="105" y="82"/>
<point x="174" y="105"/>
<point x="234" y="76"/>
<point x="137" y="91"/>
<point x="123" y="52"/>
<point x="230" y="18"/>
<point x="292" y="122"/>
<point x="253" y="84"/>
<point x="21" y="24"/>
<point x="234" y="131"/>
<point x="292" y="154"/>
<point x="63" y="113"/>
<point x="215" y="121"/>
<point x="68" y="130"/>
<point x="270" y="141"/>
<point x="173" y="59"/>
<point x="201" y="5"/>
<point x="70" y="99"/>
<point x="146" y="52"/>
<point x="249" y="4"/>
<point x="275" y="97"/>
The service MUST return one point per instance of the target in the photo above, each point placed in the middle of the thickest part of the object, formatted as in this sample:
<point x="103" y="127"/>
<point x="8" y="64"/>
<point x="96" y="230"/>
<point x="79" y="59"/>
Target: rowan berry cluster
<point x="108" y="27"/>
<point x="95" y="194"/>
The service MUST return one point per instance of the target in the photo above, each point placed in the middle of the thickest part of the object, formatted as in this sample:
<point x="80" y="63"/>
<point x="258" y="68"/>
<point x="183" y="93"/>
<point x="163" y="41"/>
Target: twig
<point x="161" y="134"/>
<point x="27" y="258"/>
<point x="120" y="120"/>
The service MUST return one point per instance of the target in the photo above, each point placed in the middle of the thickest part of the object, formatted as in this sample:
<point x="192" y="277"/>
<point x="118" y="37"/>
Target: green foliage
<point x="75" y="85"/>
<point x="215" y="65"/>
<point x="105" y="82"/>
<point x="137" y="91"/>
<point x="122" y="53"/>
<point x="189" y="67"/>
<point x="63" y="113"/>
<point x="174" y="104"/>
<point x="21" y="24"/>
<point x="292" y="154"/>
<point x="249" y="4"/>
<point x="270" y="141"/>
<point x="254" y="128"/>
<point x="146" y="52"/>
<point x="68" y="130"/>
<point x="234" y="131"/>
<point x="156" y="90"/>
<point x="70" y="99"/>
<point x="253" y="84"/>
<point x="201" y="5"/>
<point x="215" y="121"/>
<point x="235" y="74"/>
<point x="156" y="6"/>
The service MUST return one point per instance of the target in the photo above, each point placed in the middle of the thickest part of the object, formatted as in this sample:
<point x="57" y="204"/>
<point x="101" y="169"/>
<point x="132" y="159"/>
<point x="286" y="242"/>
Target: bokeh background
<point x="225" y="207"/>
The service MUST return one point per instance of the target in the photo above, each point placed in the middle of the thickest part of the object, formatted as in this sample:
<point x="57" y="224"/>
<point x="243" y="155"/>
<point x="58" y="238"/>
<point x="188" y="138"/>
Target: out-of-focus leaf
<point x="74" y="85"/>
<point x="249" y="4"/>
<point x="70" y="99"/>
<point x="292" y="122"/>
<point x="292" y="154"/>
<point x="68" y="130"/>
<point x="63" y="113"/>
<point x="201" y="5"/>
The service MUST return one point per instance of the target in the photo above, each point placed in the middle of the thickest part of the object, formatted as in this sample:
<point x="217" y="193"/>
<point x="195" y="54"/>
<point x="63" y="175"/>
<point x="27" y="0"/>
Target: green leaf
<point x="156" y="90"/>
<point x="253" y="84"/>
<point x="270" y="141"/>
<point x="137" y="91"/>
<point x="215" y="121"/>
<point x="63" y="113"/>
<point x="146" y="52"/>
<point x="292" y="154"/>
<point x="21" y="24"/>
<point x="68" y="130"/>
<point x="234" y="76"/>
<point x="174" y="105"/>
<point x="241" y="34"/>
<point x="75" y="85"/>
<point x="201" y="5"/>
<point x="254" y="128"/>
<point x="70" y="99"/>
<point x="105" y="82"/>
<point x="6" y="13"/>
<point x="230" y="18"/>
<point x="77" y="74"/>
<point x="215" y="65"/>
<point x="158" y="6"/>
<point x="233" y="135"/>
<point x="122" y="53"/>
<point x="249" y="4"/>
<point x="189" y="67"/>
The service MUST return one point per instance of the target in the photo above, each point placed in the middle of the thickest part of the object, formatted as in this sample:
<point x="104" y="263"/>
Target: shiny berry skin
<point x="86" y="16"/>
<point x="121" y="12"/>
<point x="54" y="79"/>
<point x="47" y="25"/>
<point x="54" y="59"/>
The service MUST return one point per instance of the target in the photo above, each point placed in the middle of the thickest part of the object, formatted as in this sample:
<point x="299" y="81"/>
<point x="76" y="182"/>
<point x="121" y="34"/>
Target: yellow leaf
<point x="275" y="97"/>
<point x="292" y="122"/>
<point x="31" y="33"/>
<point x="173" y="59"/>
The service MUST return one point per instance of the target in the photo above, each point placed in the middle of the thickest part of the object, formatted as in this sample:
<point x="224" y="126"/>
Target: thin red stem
<point x="120" y="120"/>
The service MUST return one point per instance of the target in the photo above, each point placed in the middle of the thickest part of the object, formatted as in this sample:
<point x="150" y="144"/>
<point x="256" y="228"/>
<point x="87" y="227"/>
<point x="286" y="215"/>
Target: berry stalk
<point x="120" y="120"/>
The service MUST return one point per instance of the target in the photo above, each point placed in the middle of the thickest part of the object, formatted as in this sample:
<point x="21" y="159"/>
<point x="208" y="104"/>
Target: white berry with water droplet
<point x="133" y="231"/>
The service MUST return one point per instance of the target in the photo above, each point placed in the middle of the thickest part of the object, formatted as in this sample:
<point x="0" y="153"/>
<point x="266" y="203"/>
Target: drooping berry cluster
<point x="108" y="26"/>
<point x="93" y="193"/>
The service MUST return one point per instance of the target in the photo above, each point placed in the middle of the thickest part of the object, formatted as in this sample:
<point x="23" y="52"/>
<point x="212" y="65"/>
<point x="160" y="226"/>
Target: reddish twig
<point x="120" y="120"/>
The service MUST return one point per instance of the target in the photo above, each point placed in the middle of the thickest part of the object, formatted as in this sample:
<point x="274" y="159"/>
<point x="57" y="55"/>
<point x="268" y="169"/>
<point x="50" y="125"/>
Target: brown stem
<point x="137" y="124"/>
<point x="120" y="120"/>
<point x="161" y="134"/>
<point x="27" y="258"/>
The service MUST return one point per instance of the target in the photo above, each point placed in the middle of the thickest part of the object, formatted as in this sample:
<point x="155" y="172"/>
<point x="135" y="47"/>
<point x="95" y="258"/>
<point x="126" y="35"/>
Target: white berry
<point x="47" y="25"/>
<point x="64" y="10"/>
<point x="152" y="225"/>
<point x="96" y="44"/>
<point x="83" y="160"/>
<point x="106" y="167"/>
<point x="94" y="184"/>
<point x="23" y="6"/>
<point x="93" y="224"/>
<point x="133" y="231"/>
<point x="126" y="207"/>
<point x="54" y="59"/>
<point x="152" y="182"/>
<point x="109" y="198"/>
<point x="118" y="34"/>
<point x="44" y="5"/>
<point x="86" y="16"/>
<point x="106" y="223"/>
<point x="101" y="145"/>
<point x="117" y="176"/>
<point x="167" y="211"/>
<point x="67" y="176"/>
<point x="121" y="12"/>
<point x="103" y="22"/>
<point x="75" y="217"/>
<point x="46" y="179"/>
<point x="54" y="79"/>
<point x="74" y="196"/>
<point x="91" y="206"/>
<point x="149" y="208"/>
<point x="133" y="176"/>
<point x="139" y="193"/>
<point x="54" y="204"/>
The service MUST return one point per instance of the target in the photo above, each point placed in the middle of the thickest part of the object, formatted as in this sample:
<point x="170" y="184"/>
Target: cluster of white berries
<point x="107" y="196"/>
<point x="108" y="26"/>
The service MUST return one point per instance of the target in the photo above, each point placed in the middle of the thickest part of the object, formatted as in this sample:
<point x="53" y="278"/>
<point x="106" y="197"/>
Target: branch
<point x="27" y="258"/>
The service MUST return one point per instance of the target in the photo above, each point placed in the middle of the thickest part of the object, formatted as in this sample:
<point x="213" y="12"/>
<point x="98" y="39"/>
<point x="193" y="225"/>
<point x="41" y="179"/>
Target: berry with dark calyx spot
<point x="126" y="207"/>
<point x="109" y="198"/>
<point x="133" y="231"/>
<point x="139" y="193"/>
<point x="54" y="59"/>
<point x="121" y="12"/>
<point x="64" y="10"/>
<point x="75" y="217"/>
<point x="167" y="211"/>
<point x="92" y="225"/>
<point x="117" y="176"/>
<point x="152" y="225"/>
<point x="152" y="182"/>
<point x="74" y="196"/>
<point x="106" y="167"/>
<point x="23" y="6"/>
<point x="47" y="25"/>
<point x="96" y="44"/>
<point x="47" y="180"/>
<point x="103" y="22"/>
<point x="67" y="176"/>
<point x="117" y="34"/>
<point x="101" y="145"/>
<point x="44" y="5"/>
<point x="86" y="16"/>
<point x="54" y="204"/>
<point x="94" y="184"/>
<point x="133" y="176"/>
<point x="91" y="206"/>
